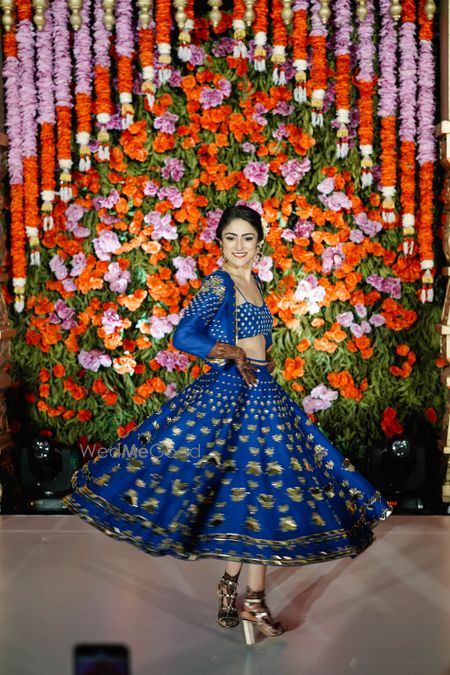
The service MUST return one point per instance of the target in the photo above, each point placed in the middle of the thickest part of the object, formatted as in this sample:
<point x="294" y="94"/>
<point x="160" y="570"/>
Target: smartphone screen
<point x="101" y="659"/>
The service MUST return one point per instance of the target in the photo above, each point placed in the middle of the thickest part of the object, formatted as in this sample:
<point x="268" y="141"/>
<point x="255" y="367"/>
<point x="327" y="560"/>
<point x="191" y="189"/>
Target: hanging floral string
<point x="103" y="106"/>
<point x="260" y="29"/>
<point x="387" y="110"/>
<point x="299" y="48"/>
<point x="146" y="47"/>
<point x="279" y="43"/>
<point x="13" y="125"/>
<point x="318" y="41"/>
<point x="82" y="49"/>
<point x="28" y="105"/>
<point x="343" y="21"/>
<point x="46" y="118"/>
<point x="162" y="23"/>
<point x="239" y="50"/>
<point x="426" y="152"/>
<point x="407" y="131"/>
<point x="365" y="83"/>
<point x="63" y="97"/>
<point x="125" y="54"/>
<point x="185" y="48"/>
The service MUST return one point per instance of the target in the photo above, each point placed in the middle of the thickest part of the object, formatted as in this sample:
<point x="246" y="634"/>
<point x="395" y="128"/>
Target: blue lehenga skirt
<point x="224" y="470"/>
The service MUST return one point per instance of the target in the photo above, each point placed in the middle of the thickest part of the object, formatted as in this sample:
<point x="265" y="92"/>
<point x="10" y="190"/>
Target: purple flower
<point x="166" y="122"/>
<point x="117" y="278"/>
<point x="224" y="86"/>
<point x="369" y="227"/>
<point x="63" y="314"/>
<point x="93" y="359"/>
<point x="390" y="285"/>
<point x="150" y="188"/>
<point x="283" y="108"/>
<point x="293" y="171"/>
<point x="309" y="289"/>
<point x="356" y="236"/>
<point x="197" y="56"/>
<point x="74" y="213"/>
<point x="361" y="310"/>
<point x="326" y="186"/>
<point x="185" y="269"/>
<point x="320" y="398"/>
<point x="210" y="98"/>
<point x="345" y="319"/>
<point x="172" y="360"/>
<point x="173" y="195"/>
<point x="303" y="228"/>
<point x="257" y="173"/>
<point x="58" y="267"/>
<point x="173" y="168"/>
<point x="78" y="264"/>
<point x="162" y="227"/>
<point x="223" y="47"/>
<point x="248" y="147"/>
<point x="106" y="202"/>
<point x="106" y="243"/>
<point x="280" y="132"/>
<point x="68" y="284"/>
<point x="377" y="320"/>
<point x="336" y="201"/>
<point x="332" y="258"/>
<point x="111" y="320"/>
<point x="212" y="220"/>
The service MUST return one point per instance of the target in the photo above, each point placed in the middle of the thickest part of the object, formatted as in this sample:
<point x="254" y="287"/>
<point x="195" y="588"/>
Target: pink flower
<point x="117" y="278"/>
<point x="106" y="243"/>
<point x="166" y="122"/>
<point x="293" y="171"/>
<point x="320" y="398"/>
<point x="257" y="173"/>
<point x="186" y="269"/>
<point x="210" y="98"/>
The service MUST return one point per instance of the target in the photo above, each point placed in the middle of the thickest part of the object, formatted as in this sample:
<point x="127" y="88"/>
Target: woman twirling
<point x="231" y="467"/>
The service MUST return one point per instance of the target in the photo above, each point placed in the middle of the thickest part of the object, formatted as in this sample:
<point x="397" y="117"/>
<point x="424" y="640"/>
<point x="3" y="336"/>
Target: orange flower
<point x="390" y="424"/>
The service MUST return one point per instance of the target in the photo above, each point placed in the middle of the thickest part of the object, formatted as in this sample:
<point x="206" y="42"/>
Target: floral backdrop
<point x="128" y="137"/>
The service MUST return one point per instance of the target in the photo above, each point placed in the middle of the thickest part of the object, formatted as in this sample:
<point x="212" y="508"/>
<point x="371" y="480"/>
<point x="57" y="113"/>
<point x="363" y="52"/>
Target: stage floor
<point x="63" y="582"/>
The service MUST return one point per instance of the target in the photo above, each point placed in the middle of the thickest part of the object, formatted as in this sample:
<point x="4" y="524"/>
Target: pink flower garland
<point x="82" y="48"/>
<point x="365" y="56"/>
<point x="46" y="115"/>
<point x="28" y="106"/>
<point x="102" y="62"/>
<point x="407" y="131"/>
<point x="343" y="21"/>
<point x="387" y="109"/>
<point x="62" y="78"/>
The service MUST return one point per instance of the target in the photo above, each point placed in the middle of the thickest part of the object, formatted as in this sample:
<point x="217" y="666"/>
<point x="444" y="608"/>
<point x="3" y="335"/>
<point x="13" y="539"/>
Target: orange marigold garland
<point x="299" y="48"/>
<point x="365" y="84"/>
<point x="239" y="50"/>
<point x="387" y="110"/>
<point x="318" y="41"/>
<point x="282" y="15"/>
<point x="162" y="22"/>
<point x="46" y="119"/>
<point x="260" y="32"/>
<point x="343" y="20"/>
<point x="426" y="152"/>
<point x="125" y="54"/>
<point x="407" y="131"/>
<point x="83" y="87"/>
<point x="15" y="168"/>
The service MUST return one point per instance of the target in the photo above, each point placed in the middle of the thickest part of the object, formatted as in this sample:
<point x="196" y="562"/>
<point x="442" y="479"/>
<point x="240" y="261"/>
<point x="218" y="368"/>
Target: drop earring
<point x="258" y="257"/>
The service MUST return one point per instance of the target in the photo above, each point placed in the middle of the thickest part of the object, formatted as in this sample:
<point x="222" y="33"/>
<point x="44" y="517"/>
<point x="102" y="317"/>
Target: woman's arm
<point x="191" y="335"/>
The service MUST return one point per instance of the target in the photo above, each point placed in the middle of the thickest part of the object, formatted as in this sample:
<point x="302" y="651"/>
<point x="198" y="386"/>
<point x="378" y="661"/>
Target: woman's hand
<point x="227" y="351"/>
<point x="247" y="370"/>
<point x="270" y="362"/>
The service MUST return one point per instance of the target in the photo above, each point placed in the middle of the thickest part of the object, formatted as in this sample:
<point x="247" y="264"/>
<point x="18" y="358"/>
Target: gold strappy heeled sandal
<point x="228" y="616"/>
<point x="256" y="613"/>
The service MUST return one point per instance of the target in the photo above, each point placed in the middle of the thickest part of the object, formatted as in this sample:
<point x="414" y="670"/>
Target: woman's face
<point x="239" y="241"/>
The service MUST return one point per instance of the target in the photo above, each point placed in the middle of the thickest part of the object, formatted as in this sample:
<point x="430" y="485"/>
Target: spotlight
<point x="46" y="468"/>
<point x="406" y="469"/>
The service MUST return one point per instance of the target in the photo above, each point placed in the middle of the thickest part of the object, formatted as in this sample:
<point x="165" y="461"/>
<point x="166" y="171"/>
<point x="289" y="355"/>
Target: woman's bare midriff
<point x="254" y="347"/>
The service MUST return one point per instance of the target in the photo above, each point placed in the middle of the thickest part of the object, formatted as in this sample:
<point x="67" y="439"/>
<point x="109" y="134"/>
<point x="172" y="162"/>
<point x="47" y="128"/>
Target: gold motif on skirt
<point x="277" y="437"/>
<point x="191" y="437"/>
<point x="254" y="451"/>
<point x="173" y="468"/>
<point x="254" y="468"/>
<point x="329" y="464"/>
<point x="102" y="480"/>
<point x="229" y="465"/>
<point x="134" y="465"/>
<point x="179" y="487"/>
<point x="131" y="496"/>
<point x="288" y="523"/>
<point x="140" y="483"/>
<point x="252" y="484"/>
<point x="295" y="493"/>
<point x="176" y="431"/>
<point x="318" y="520"/>
<point x="267" y="501"/>
<point x="216" y="519"/>
<point x="348" y="465"/>
<point x="252" y="524"/>
<point x="205" y="430"/>
<point x="150" y="504"/>
<point x="274" y="469"/>
<point x="277" y="483"/>
<point x="144" y="437"/>
<point x="238" y="494"/>
<point x="182" y="453"/>
<point x="191" y="423"/>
